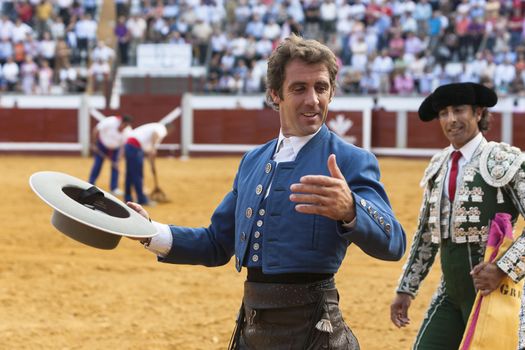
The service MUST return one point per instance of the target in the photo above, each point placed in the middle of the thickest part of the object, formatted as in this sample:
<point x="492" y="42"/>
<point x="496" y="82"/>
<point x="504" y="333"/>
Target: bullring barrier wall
<point x="234" y="124"/>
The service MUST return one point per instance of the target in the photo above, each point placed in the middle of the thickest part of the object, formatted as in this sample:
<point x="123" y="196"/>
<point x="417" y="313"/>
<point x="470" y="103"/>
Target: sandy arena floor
<point x="56" y="293"/>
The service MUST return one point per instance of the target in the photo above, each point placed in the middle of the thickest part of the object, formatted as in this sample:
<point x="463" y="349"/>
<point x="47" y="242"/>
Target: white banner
<point x="163" y="56"/>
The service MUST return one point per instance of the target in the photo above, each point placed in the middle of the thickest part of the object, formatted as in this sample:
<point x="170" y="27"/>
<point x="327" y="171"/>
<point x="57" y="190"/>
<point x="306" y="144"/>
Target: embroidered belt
<point x="281" y="295"/>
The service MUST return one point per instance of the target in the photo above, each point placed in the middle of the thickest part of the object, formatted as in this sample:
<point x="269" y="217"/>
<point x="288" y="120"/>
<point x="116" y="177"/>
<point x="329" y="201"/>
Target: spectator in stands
<point x="20" y="31"/>
<point x="403" y="82"/>
<point x="137" y="26"/>
<point x="6" y="49"/>
<point x="57" y="27"/>
<point x="520" y="63"/>
<point x="237" y="84"/>
<point x="43" y="13"/>
<point x="312" y="18"/>
<point x="417" y="68"/>
<point x="328" y="18"/>
<point x="123" y="38"/>
<point x="64" y="10"/>
<point x="19" y="52"/>
<point x="382" y="66"/>
<point x="226" y="83"/>
<point x="24" y="11"/>
<point x="250" y="51"/>
<point x="476" y="32"/>
<point x="489" y="72"/>
<point x="504" y="76"/>
<point x="176" y="38"/>
<point x="86" y="34"/>
<point x="350" y="82"/>
<point x="122" y="7"/>
<point x="255" y="27"/>
<point x="426" y="81"/>
<point x="8" y="9"/>
<point x="10" y="73"/>
<point x="515" y="28"/>
<point x="467" y="74"/>
<point x="201" y="34"/>
<point x="69" y="80"/>
<point x="271" y="30"/>
<point x="242" y="15"/>
<point x="98" y="76"/>
<point x="171" y="10"/>
<point x="31" y="46"/>
<point x="47" y="48"/>
<point x="6" y="27"/>
<point x="90" y="7"/>
<point x="212" y="83"/>
<point x="180" y="25"/>
<point x="359" y="49"/>
<point x="436" y="27"/>
<point x="102" y="52"/>
<point x="28" y="73"/>
<point x="159" y="29"/>
<point x="291" y="26"/>
<point x="408" y="22"/>
<point x="252" y="83"/>
<point x="238" y="46"/>
<point x="422" y="14"/>
<point x="413" y="45"/>
<point x="227" y="60"/>
<point x="62" y="56"/>
<point x="396" y="46"/>
<point x="369" y="82"/>
<point x="45" y="77"/>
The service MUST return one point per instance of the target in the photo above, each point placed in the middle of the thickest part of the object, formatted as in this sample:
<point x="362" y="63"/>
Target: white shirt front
<point x="467" y="151"/>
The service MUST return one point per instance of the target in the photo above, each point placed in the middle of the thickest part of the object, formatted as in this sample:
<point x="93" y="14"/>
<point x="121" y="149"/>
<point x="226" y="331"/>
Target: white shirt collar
<point x="467" y="151"/>
<point x="297" y="142"/>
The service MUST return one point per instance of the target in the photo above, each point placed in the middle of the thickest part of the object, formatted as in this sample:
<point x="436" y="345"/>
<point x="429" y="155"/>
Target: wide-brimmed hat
<point x="86" y="213"/>
<point x="456" y="94"/>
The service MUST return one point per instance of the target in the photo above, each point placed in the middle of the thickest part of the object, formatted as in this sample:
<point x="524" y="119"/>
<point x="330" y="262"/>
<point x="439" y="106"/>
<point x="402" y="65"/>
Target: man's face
<point x="306" y="94"/>
<point x="460" y="123"/>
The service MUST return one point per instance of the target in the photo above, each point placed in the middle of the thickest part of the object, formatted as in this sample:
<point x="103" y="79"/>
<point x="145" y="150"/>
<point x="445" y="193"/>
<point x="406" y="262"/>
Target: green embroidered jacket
<point x="493" y="181"/>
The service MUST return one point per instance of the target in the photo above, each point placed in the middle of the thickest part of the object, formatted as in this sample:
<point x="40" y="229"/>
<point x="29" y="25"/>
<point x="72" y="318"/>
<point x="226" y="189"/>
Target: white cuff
<point x="349" y="225"/>
<point x="160" y="244"/>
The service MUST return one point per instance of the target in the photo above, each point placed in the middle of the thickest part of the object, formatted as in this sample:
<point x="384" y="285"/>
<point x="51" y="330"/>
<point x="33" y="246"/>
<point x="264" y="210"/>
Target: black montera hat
<point x="456" y="94"/>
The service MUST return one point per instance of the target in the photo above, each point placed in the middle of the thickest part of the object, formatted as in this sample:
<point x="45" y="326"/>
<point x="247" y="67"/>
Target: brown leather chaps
<point x="292" y="316"/>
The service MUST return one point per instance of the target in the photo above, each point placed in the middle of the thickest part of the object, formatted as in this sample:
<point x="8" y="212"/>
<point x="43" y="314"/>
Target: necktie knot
<point x="456" y="155"/>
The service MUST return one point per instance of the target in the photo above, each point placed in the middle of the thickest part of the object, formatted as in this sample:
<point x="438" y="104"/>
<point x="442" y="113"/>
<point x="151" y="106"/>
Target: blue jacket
<point x="292" y="241"/>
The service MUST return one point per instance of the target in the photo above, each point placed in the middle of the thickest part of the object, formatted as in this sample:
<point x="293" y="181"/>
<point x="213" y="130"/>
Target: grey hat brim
<point x="101" y="223"/>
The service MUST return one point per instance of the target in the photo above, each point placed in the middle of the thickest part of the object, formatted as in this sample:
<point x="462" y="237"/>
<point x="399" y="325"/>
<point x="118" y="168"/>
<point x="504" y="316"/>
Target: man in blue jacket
<point x="296" y="205"/>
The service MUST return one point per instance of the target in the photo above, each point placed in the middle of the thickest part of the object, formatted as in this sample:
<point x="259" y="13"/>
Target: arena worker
<point x="465" y="186"/>
<point x="142" y="141"/>
<point x="107" y="139"/>
<point x="296" y="204"/>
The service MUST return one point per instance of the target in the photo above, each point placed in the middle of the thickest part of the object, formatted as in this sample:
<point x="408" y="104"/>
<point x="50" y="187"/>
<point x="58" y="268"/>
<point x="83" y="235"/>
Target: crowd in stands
<point x="384" y="46"/>
<point x="44" y="43"/>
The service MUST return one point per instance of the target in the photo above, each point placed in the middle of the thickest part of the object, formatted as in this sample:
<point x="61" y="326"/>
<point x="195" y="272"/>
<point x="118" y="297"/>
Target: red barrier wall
<point x="38" y="125"/>
<point x="216" y="126"/>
